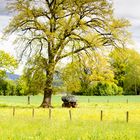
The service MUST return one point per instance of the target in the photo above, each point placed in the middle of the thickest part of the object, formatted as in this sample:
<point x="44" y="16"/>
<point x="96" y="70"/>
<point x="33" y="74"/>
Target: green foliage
<point x="71" y="77"/>
<point x="7" y="87"/>
<point x="11" y="88"/>
<point x="132" y="78"/>
<point x="79" y="76"/>
<point x="101" y="89"/>
<point x="21" y="87"/>
<point x="119" y="61"/>
<point x="126" y="67"/>
<point x="34" y="75"/>
<point x="7" y="62"/>
<point x="106" y="89"/>
<point x="3" y="87"/>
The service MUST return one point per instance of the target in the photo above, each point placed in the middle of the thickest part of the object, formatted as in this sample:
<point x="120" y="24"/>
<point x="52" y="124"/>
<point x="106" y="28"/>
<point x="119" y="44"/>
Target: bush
<point x="106" y="88"/>
<point x="131" y="90"/>
<point x="102" y="89"/>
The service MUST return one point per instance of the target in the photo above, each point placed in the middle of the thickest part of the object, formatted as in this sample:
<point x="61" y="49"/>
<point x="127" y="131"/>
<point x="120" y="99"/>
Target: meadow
<point x="85" y="122"/>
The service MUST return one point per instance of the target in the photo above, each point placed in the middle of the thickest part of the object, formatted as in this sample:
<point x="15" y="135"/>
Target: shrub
<point x="102" y="89"/>
<point x="106" y="88"/>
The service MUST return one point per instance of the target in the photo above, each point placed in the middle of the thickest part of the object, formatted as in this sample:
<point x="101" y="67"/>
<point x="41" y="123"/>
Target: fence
<point x="50" y="111"/>
<point x="107" y="101"/>
<point x="88" y="100"/>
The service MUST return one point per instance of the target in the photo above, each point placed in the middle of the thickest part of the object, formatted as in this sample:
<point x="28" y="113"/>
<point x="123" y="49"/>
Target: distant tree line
<point x="117" y="73"/>
<point x="17" y="87"/>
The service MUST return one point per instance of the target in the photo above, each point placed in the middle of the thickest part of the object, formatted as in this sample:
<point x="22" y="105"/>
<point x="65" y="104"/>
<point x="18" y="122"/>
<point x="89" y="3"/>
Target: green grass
<point x="43" y="129"/>
<point x="56" y="100"/>
<point x="85" y="123"/>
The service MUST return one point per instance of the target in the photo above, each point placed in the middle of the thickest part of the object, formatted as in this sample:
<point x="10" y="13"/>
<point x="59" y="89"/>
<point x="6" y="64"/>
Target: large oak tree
<point x="55" y="29"/>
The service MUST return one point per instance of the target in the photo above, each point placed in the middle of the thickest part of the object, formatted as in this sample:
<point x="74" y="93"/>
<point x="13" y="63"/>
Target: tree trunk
<point x="47" y="98"/>
<point x="135" y="87"/>
<point x="48" y="87"/>
<point x="4" y="92"/>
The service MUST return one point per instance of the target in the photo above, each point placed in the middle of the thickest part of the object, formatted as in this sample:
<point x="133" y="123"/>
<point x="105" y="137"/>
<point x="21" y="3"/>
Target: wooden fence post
<point x="70" y="114"/>
<point x="50" y="113"/>
<point x="13" y="111"/>
<point x="127" y="116"/>
<point x="127" y="101"/>
<point x="28" y="100"/>
<point x="101" y="115"/>
<point x="33" y="112"/>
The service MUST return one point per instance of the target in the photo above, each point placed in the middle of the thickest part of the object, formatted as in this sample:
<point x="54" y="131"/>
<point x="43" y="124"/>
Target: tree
<point x="119" y="61"/>
<point x="21" y="87"/>
<point x="105" y="88"/>
<point x="79" y="76"/>
<point x="3" y="87"/>
<point x="132" y="77"/>
<point x="56" y="29"/>
<point x="71" y="76"/>
<point x="7" y="63"/>
<point x="126" y="67"/>
<point x="10" y="87"/>
<point x="33" y="75"/>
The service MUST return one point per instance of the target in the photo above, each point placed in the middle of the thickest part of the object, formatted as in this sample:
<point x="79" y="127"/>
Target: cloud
<point x="126" y="8"/>
<point x="129" y="9"/>
<point x="5" y="15"/>
<point x="3" y="9"/>
<point x="4" y="21"/>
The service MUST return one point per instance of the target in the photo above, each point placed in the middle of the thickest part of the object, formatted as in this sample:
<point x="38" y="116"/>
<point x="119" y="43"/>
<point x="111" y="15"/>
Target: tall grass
<point x="41" y="129"/>
<point x="85" y="123"/>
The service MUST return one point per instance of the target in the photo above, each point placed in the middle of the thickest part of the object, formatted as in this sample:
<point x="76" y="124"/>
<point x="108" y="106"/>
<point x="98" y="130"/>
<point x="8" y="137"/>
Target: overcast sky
<point x="129" y="9"/>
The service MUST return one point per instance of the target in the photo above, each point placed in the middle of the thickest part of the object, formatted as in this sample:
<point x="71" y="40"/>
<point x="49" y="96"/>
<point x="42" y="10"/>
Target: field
<point x="84" y="123"/>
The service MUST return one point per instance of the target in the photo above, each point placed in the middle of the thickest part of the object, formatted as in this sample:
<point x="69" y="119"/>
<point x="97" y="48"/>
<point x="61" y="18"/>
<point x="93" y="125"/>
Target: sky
<point x="128" y="9"/>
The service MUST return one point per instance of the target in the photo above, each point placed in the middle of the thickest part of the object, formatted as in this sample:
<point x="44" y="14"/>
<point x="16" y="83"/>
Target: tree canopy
<point x="126" y="67"/>
<point x="80" y="75"/>
<point x="55" y="29"/>
<point x="7" y="63"/>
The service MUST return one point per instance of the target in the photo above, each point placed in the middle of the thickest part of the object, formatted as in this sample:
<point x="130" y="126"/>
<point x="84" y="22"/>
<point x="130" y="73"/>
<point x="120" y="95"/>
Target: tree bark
<point x="135" y="87"/>
<point x="47" y="98"/>
<point x="48" y="91"/>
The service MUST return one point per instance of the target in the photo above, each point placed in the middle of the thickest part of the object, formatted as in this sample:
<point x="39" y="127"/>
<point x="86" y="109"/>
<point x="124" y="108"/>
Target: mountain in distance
<point x="12" y="76"/>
